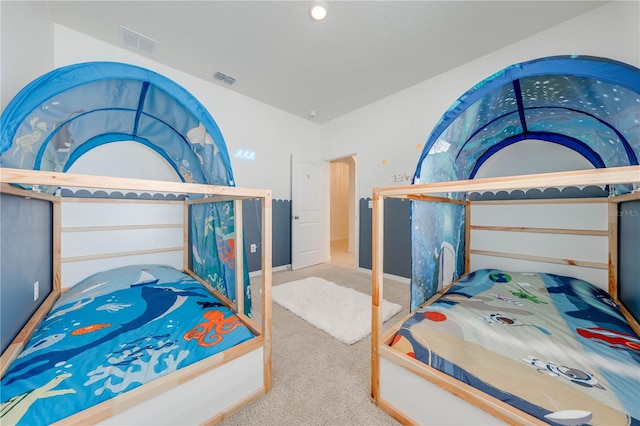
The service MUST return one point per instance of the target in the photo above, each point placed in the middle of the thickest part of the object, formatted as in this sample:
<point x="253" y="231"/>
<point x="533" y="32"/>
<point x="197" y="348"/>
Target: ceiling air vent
<point x="224" y="78"/>
<point x="137" y="41"/>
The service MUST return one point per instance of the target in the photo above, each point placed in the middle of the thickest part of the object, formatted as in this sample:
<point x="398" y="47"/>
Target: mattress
<point x="553" y="346"/>
<point x="111" y="333"/>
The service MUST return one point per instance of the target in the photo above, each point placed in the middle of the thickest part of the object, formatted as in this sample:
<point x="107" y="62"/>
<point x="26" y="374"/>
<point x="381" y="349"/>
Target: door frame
<point x="354" y="219"/>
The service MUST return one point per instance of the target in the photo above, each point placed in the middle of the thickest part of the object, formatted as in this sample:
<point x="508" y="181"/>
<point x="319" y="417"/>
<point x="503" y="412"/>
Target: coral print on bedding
<point x="111" y="333"/>
<point x="552" y="346"/>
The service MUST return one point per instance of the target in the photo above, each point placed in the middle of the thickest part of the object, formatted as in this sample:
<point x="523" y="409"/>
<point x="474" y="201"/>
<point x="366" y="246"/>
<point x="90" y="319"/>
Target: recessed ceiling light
<point x="318" y="10"/>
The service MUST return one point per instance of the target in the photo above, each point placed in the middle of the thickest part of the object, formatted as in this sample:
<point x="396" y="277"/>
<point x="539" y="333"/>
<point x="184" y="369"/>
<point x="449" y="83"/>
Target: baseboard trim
<point x="258" y="273"/>
<point x="398" y="278"/>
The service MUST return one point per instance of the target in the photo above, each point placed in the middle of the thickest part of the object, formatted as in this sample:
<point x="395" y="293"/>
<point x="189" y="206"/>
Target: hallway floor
<point x="340" y="255"/>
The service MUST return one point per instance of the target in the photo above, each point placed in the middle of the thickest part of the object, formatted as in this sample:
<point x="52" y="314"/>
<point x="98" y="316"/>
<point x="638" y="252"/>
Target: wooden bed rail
<point x="13" y="350"/>
<point x="45" y="178"/>
<point x="541" y="230"/>
<point x="542" y="259"/>
<point x="610" y="176"/>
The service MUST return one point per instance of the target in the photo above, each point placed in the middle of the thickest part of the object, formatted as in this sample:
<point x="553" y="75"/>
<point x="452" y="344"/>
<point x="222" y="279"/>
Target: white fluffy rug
<point x="340" y="311"/>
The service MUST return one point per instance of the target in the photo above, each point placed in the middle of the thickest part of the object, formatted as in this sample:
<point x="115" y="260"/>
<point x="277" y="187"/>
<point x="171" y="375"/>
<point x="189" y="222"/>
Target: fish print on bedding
<point x="111" y="333"/>
<point x="553" y="346"/>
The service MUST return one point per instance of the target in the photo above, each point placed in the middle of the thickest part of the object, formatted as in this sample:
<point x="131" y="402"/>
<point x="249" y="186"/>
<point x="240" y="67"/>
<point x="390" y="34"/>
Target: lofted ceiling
<point x="363" y="52"/>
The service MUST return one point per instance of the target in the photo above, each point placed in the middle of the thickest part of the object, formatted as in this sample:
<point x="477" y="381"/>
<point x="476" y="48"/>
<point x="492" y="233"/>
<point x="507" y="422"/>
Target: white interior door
<point x="307" y="213"/>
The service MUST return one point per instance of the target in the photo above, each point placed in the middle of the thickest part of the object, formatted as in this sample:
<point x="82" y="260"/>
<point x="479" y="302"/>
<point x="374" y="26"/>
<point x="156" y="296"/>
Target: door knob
<point x="296" y="217"/>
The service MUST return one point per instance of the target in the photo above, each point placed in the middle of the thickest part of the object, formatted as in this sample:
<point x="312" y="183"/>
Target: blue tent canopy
<point x="63" y="114"/>
<point x="588" y="104"/>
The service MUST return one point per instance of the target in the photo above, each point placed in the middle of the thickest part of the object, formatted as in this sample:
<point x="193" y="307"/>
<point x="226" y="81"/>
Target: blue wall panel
<point x="364" y="234"/>
<point x="629" y="256"/>
<point x="397" y="236"/>
<point x="281" y="232"/>
<point x="25" y="258"/>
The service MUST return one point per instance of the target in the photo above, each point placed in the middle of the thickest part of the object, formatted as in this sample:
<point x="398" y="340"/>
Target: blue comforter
<point x="553" y="346"/>
<point x="111" y="333"/>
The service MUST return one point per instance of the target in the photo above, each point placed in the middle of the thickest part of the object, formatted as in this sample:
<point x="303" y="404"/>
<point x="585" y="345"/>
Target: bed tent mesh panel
<point x="587" y="104"/>
<point x="67" y="112"/>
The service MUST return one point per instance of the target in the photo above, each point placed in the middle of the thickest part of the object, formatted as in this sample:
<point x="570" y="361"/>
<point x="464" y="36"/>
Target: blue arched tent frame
<point x="65" y="113"/>
<point x="590" y="105"/>
<point x="547" y="99"/>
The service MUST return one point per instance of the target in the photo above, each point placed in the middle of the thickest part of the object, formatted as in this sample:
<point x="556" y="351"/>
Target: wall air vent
<point x="224" y="78"/>
<point x="137" y="41"/>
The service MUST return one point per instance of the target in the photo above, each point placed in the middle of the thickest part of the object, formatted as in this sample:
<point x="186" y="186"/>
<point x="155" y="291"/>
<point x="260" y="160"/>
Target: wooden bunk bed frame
<point x="393" y="373"/>
<point x="249" y="363"/>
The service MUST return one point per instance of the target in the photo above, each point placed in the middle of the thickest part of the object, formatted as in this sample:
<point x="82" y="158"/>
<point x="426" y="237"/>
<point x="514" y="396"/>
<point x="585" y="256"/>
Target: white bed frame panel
<point x="242" y="377"/>
<point x="100" y="234"/>
<point x="543" y="230"/>
<point x="572" y="213"/>
<point x="75" y="271"/>
<point x="141" y="231"/>
<point x="423" y="402"/>
<point x="414" y="393"/>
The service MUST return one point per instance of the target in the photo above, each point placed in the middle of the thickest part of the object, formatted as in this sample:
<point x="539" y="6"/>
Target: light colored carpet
<point x="318" y="380"/>
<point x="342" y="312"/>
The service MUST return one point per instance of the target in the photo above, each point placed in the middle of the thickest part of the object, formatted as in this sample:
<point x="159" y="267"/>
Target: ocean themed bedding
<point x="553" y="346"/>
<point x="111" y="333"/>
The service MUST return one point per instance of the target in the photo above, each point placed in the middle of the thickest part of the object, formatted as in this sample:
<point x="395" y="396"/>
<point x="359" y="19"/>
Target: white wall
<point x="126" y="159"/>
<point x="245" y="124"/>
<point x="27" y="45"/>
<point x="542" y="157"/>
<point x="388" y="135"/>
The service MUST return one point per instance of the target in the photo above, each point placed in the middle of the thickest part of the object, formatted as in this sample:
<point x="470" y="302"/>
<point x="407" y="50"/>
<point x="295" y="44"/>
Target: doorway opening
<point x="343" y="216"/>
